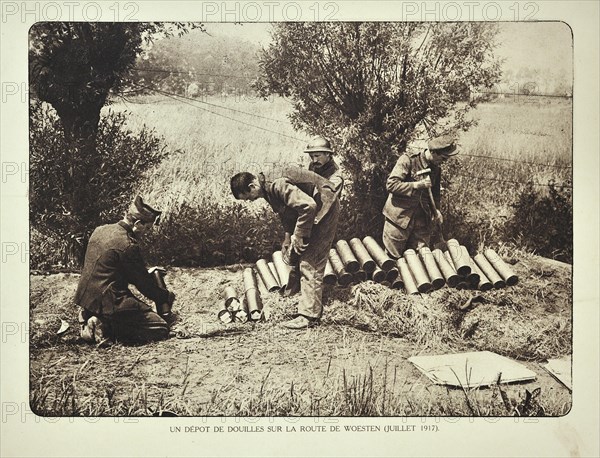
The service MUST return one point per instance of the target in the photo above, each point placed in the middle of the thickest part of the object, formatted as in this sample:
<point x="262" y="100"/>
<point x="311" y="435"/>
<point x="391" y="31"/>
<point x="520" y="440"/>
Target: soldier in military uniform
<point x="113" y="261"/>
<point x="309" y="208"/>
<point x="322" y="162"/>
<point x="409" y="218"/>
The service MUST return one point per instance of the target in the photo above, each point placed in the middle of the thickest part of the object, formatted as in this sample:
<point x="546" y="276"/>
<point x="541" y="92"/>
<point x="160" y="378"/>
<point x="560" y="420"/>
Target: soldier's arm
<point x="398" y="181"/>
<point x="302" y="203"/>
<point x="338" y="182"/>
<point x="137" y="274"/>
<point x="436" y="186"/>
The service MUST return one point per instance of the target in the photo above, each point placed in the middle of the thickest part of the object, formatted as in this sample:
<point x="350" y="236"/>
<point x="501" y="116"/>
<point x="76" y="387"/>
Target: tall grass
<point x="377" y="391"/>
<point x="214" y="147"/>
<point x="521" y="143"/>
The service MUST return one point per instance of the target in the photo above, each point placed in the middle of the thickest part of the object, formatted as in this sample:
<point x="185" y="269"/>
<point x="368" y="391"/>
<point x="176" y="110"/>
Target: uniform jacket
<point x="403" y="201"/>
<point x="113" y="261"/>
<point x="331" y="171"/>
<point x="300" y="197"/>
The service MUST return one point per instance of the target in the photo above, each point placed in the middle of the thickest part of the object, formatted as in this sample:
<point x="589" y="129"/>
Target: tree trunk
<point x="80" y="128"/>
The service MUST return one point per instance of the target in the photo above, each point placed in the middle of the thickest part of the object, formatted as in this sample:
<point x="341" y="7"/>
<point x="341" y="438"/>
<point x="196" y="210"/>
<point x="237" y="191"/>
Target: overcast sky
<point x="546" y="46"/>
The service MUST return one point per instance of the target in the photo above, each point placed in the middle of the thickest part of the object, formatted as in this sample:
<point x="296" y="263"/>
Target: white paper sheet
<point x="471" y="369"/>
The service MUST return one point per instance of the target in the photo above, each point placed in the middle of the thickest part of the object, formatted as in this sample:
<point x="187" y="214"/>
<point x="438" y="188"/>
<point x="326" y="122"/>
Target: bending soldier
<point x="113" y="261"/>
<point x="309" y="208"/>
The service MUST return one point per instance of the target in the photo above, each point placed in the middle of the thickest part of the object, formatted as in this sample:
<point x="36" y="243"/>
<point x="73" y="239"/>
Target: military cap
<point x="318" y="144"/>
<point x="444" y="145"/>
<point x="145" y="213"/>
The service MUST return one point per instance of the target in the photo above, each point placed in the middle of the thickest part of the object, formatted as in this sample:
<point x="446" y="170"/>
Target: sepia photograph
<point x="301" y="219"/>
<point x="336" y="229"/>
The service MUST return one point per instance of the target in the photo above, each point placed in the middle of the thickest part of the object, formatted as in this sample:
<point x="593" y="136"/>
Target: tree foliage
<point x="372" y="86"/>
<point x="543" y="222"/>
<point x="73" y="66"/>
<point x="123" y="158"/>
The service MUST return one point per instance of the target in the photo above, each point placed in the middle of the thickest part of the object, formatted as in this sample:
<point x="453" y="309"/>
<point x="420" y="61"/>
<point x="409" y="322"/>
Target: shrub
<point x="215" y="234"/>
<point x="124" y="158"/>
<point x="543" y="221"/>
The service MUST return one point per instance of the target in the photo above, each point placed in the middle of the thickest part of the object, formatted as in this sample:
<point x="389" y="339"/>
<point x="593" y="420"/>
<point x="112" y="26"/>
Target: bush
<point x="543" y="222"/>
<point x="124" y="158"/>
<point x="215" y="234"/>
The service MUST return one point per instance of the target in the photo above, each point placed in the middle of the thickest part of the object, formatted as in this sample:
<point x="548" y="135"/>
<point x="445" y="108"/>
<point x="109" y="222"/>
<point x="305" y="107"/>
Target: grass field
<point x="514" y="143"/>
<point x="214" y="146"/>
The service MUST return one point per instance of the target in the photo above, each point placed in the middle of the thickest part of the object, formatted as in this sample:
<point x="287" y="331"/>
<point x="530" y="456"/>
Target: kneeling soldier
<point x="113" y="261"/>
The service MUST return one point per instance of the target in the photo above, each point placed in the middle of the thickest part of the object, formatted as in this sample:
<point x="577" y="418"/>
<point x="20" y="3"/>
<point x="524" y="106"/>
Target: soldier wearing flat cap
<point x="113" y="261"/>
<point x="409" y="218"/>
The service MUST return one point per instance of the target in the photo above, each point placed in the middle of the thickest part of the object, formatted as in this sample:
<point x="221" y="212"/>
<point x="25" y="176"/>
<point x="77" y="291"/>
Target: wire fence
<point x="529" y="93"/>
<point x="182" y="99"/>
<point x="194" y="101"/>
<point x="191" y="73"/>
<point x="523" y="94"/>
<point x="533" y="183"/>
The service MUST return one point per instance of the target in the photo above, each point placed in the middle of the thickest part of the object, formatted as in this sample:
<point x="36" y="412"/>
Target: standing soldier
<point x="309" y="208"/>
<point x="409" y="218"/>
<point x="322" y="162"/>
<point x="113" y="261"/>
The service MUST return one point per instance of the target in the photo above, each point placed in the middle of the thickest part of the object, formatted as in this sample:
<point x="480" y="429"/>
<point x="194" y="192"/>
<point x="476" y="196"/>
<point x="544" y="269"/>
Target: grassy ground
<point x="355" y="363"/>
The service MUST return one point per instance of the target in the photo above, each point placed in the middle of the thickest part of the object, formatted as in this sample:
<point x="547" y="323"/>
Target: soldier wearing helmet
<point x="409" y="218"/>
<point x="322" y="162"/>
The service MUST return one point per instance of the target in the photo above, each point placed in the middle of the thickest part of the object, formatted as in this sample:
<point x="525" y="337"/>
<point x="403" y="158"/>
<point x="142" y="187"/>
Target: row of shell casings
<point x="424" y="270"/>
<point x="249" y="307"/>
<point x="359" y="260"/>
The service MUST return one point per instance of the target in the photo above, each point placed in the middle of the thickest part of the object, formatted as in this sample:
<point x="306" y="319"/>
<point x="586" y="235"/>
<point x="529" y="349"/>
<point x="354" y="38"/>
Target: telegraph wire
<point x="491" y="158"/>
<point x="175" y="97"/>
<point x="210" y="104"/>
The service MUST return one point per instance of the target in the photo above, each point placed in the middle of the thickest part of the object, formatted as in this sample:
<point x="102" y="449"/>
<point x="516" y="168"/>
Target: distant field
<point x="528" y="132"/>
<point x="214" y="147"/>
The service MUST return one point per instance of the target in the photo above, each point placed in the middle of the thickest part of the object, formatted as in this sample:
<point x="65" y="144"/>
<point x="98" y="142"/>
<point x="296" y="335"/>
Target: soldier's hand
<point x="423" y="184"/>
<point x="285" y="245"/>
<point x="297" y="243"/>
<point x="171" y="298"/>
<point x="438" y="218"/>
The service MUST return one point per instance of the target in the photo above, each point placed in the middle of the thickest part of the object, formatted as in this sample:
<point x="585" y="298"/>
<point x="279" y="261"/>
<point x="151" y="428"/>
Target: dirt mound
<point x="260" y="368"/>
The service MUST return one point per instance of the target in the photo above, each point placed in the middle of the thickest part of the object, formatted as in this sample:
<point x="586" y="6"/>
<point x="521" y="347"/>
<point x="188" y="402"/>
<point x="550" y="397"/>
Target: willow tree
<point x="74" y="66"/>
<point x="372" y="86"/>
